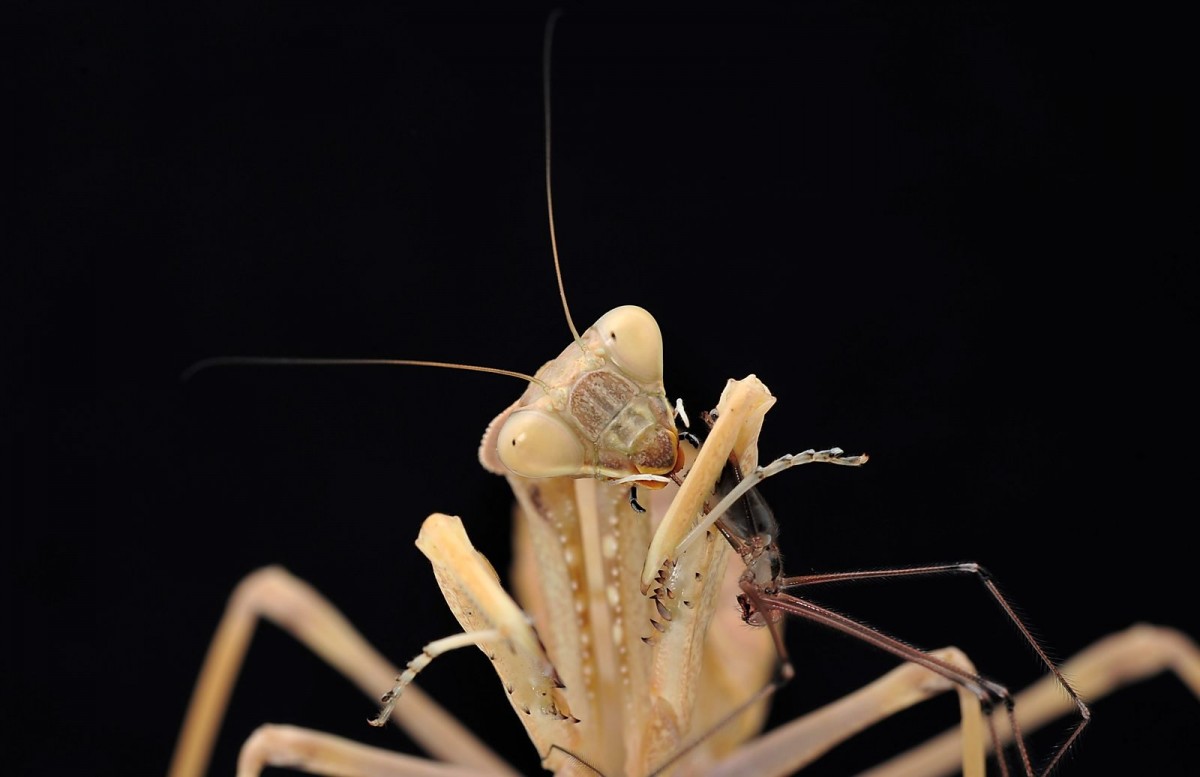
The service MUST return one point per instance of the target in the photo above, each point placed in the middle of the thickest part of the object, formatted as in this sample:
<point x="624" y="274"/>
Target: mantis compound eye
<point x="633" y="342"/>
<point x="534" y="444"/>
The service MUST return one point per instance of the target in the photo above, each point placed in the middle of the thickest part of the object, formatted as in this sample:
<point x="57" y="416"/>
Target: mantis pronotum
<point x="417" y="479"/>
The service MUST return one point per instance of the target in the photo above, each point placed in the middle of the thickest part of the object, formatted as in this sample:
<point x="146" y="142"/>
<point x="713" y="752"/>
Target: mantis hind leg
<point x="795" y="745"/>
<point x="1124" y="658"/>
<point x="274" y="594"/>
<point x="316" y="752"/>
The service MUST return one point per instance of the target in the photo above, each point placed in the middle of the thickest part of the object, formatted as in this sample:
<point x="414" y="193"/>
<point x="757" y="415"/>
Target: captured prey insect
<point x="747" y="522"/>
<point x="604" y="677"/>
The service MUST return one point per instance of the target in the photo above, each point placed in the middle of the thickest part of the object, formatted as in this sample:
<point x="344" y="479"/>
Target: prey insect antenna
<point x="288" y="361"/>
<point x="787" y="461"/>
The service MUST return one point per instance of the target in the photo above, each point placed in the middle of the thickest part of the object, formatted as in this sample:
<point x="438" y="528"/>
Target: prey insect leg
<point x="1116" y="661"/>
<point x="746" y="521"/>
<point x="989" y="583"/>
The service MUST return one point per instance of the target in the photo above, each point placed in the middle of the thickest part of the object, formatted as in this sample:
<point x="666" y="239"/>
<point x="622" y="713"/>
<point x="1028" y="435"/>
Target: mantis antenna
<point x="546" y="47"/>
<point x="228" y="361"/>
<point x="289" y="361"/>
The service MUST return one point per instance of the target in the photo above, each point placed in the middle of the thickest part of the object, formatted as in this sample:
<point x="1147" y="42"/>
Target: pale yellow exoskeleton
<point x="642" y="675"/>
<point x="599" y="410"/>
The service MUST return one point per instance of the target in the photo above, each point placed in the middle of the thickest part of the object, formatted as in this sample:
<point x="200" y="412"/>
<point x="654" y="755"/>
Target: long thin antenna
<point x="228" y="361"/>
<point x="288" y="361"/>
<point x="546" y="46"/>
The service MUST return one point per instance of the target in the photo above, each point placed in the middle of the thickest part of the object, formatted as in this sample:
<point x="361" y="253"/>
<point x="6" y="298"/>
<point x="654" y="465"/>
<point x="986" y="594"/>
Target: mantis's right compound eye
<point x="534" y="444"/>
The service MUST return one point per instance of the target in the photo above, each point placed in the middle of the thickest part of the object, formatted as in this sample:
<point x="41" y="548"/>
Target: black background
<point x="946" y="236"/>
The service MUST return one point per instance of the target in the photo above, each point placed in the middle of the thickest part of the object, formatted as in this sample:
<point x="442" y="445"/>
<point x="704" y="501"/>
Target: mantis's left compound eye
<point x="534" y="444"/>
<point x="633" y="341"/>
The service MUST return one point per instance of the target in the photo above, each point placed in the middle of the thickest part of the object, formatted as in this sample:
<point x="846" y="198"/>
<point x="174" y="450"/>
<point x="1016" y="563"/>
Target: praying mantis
<point x="421" y="486"/>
